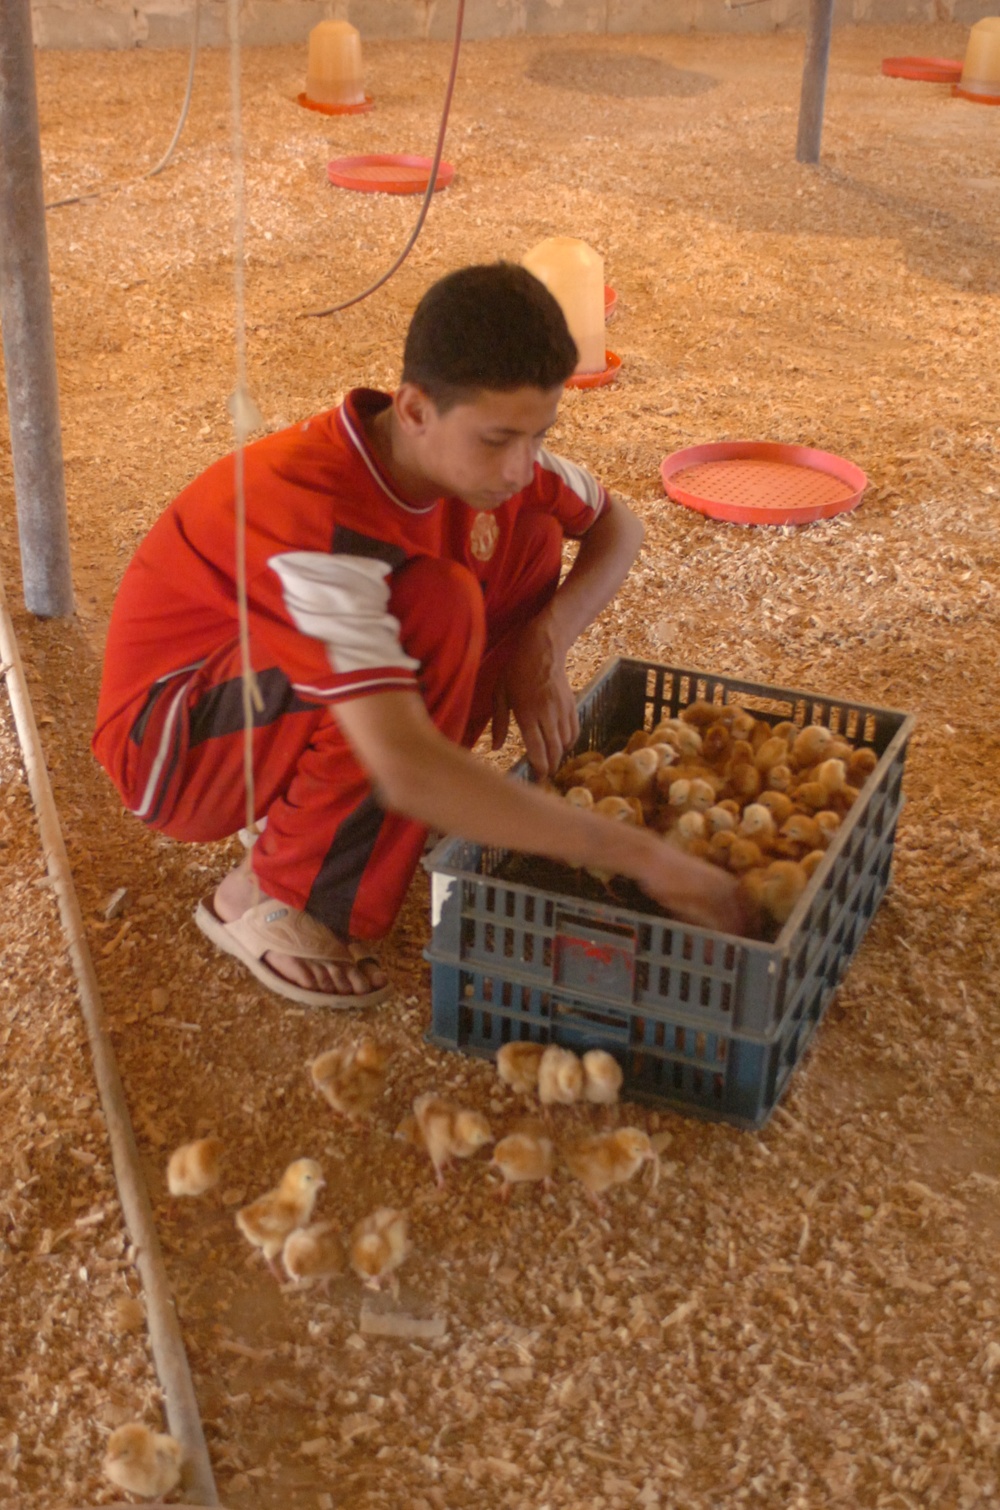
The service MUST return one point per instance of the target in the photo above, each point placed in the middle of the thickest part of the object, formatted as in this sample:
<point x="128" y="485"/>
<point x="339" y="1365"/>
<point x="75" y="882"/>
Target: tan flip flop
<point x="274" y="926"/>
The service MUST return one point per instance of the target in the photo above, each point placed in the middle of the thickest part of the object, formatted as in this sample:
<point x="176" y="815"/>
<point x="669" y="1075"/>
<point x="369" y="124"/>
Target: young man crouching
<point x="403" y="559"/>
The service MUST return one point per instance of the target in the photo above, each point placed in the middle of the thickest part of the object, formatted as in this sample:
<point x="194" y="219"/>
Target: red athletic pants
<point x="329" y="848"/>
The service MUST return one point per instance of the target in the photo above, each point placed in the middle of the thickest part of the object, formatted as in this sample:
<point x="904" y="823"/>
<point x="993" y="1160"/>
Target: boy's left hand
<point x="536" y="690"/>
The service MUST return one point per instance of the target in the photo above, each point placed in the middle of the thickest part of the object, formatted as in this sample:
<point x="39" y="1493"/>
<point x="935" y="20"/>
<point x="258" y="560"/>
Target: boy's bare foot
<point x="238" y="891"/>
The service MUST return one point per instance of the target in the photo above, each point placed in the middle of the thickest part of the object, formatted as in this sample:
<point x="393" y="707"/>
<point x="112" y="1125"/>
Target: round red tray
<point x="308" y="104"/>
<point x="597" y="379"/>
<point x="610" y="303"/>
<point x="762" y="482"/>
<point x="388" y="173"/>
<point x="928" y="70"/>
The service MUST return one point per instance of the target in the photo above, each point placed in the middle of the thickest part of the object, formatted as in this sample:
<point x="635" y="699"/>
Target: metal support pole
<point x="29" y="347"/>
<point x="814" y="81"/>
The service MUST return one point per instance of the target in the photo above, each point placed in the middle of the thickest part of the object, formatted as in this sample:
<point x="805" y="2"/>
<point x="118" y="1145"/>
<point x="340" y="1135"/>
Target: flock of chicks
<point x="759" y="799"/>
<point x="352" y="1078"/>
<point x="762" y="800"/>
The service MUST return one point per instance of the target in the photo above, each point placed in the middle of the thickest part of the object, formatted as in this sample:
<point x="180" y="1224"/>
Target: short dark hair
<point x="492" y="327"/>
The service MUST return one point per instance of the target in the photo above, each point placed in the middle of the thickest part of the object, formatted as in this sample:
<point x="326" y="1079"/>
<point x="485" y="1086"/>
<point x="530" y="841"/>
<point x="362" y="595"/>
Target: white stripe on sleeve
<point x="166" y="738"/>
<point x="575" y="477"/>
<point x="343" y="601"/>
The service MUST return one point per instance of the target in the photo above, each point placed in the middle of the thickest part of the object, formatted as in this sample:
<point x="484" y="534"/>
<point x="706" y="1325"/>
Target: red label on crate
<point x="598" y="959"/>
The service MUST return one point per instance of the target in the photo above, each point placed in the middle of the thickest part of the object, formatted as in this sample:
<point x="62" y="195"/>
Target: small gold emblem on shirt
<point x="483" y="536"/>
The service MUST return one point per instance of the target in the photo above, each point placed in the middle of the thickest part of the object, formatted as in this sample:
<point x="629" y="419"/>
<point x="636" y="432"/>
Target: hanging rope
<point x="320" y="314"/>
<point x="164" y="160"/>
<point x="246" y="416"/>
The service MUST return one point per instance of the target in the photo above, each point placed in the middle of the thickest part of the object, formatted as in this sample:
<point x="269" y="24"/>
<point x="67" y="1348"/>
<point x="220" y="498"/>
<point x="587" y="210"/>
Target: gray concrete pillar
<point x="28" y="339"/>
<point x="814" y="80"/>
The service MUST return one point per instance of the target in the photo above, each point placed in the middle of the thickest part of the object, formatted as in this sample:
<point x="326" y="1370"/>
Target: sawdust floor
<point x="798" y="1318"/>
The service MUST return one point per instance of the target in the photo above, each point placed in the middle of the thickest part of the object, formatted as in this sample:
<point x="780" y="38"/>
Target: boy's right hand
<point x="696" y="892"/>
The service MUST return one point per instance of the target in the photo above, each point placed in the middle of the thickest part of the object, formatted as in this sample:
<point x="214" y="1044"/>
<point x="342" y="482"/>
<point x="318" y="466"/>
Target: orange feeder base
<point x="977" y="99"/>
<point x="597" y="379"/>
<point x="308" y="104"/>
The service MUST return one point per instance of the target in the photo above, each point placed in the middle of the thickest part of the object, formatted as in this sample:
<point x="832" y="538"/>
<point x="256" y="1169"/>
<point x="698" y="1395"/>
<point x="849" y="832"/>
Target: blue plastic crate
<point x="699" y="1021"/>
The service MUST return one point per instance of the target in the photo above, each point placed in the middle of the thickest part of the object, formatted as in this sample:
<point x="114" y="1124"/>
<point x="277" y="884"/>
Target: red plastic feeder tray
<point x="308" y="104"/>
<point x="927" y="70"/>
<point x="762" y="482"/>
<point x="388" y="173"/>
<point x="597" y="379"/>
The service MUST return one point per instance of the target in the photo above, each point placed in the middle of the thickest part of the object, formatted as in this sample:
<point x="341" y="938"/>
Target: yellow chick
<point x="313" y="1253"/>
<point x="719" y="846"/>
<point x="741" y="722"/>
<point x="751" y="893"/>
<point x="352" y="1076"/>
<point x="860" y="765"/>
<point x="678" y="790"/>
<point x="810" y="745"/>
<point x="803" y="830"/>
<point x="720" y="819"/>
<point x="517" y="1065"/>
<point x="778" y="804"/>
<point x="691" y="828"/>
<point x="643" y="766"/>
<point x="580" y="796"/>
<point x="682" y="738"/>
<point x="407" y="1131"/>
<point x="266" y="1222"/>
<point x="828" y="824"/>
<point x="523" y="1158"/>
<point x="779" y="778"/>
<point x="572" y="768"/>
<point x="619" y="809"/>
<point x="756" y="823"/>
<point x="596" y="782"/>
<point x="831" y="774"/>
<point x="844" y="800"/>
<point x="560" y="1077"/>
<point x="448" y="1131"/>
<point x="616" y="770"/>
<point x="741" y="753"/>
<point x="602" y="1077"/>
<point x="811" y="795"/>
<point x="717" y="743"/>
<point x="691" y="794"/>
<point x="811" y="862"/>
<point x="760" y="733"/>
<point x="193" y="1169"/>
<point x="701" y="796"/>
<point x="607" y="1159"/>
<point x="774" y="751"/>
<point x="702" y="713"/>
<point x="637" y="741"/>
<point x="143" y="1462"/>
<point x="379" y="1244"/>
<point x="743" y="855"/>
<point x="743" y="780"/>
<point x="783" y="883"/>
